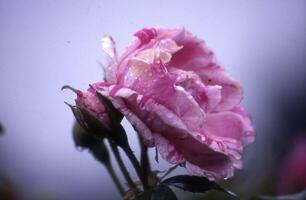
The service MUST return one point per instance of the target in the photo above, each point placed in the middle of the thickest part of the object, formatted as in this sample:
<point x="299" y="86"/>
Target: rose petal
<point x="196" y="57"/>
<point x="249" y="133"/>
<point x="167" y="150"/>
<point x="202" y="160"/>
<point x="208" y="97"/>
<point x="109" y="46"/>
<point x="224" y="124"/>
<point x="231" y="92"/>
<point x="145" y="35"/>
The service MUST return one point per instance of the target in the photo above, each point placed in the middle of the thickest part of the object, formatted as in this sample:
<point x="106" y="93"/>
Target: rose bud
<point x="81" y="137"/>
<point x="90" y="112"/>
<point x="96" y="147"/>
<point x="97" y="116"/>
<point x="92" y="104"/>
<point x="292" y="171"/>
<point x="170" y="87"/>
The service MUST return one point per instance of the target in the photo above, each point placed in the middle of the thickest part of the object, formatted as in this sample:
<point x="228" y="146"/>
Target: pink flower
<point x="292" y="172"/>
<point x="169" y="85"/>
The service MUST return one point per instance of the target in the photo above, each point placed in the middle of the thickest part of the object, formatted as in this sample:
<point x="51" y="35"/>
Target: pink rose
<point x="292" y="172"/>
<point x="169" y="86"/>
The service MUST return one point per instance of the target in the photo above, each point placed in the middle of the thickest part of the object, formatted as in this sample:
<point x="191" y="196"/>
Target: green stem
<point x="143" y="177"/>
<point x="171" y="169"/>
<point x="144" y="159"/>
<point x="115" y="178"/>
<point x="100" y="152"/>
<point x="122" y="166"/>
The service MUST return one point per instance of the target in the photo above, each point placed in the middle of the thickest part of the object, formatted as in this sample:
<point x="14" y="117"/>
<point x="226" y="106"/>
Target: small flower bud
<point x="114" y="115"/>
<point x="100" y="152"/>
<point x="90" y="113"/>
<point x="86" y="140"/>
<point x="92" y="104"/>
<point x="96" y="114"/>
<point x="82" y="138"/>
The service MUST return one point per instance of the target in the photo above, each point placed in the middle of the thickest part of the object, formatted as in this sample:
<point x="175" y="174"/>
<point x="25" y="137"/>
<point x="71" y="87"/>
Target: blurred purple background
<point x="47" y="44"/>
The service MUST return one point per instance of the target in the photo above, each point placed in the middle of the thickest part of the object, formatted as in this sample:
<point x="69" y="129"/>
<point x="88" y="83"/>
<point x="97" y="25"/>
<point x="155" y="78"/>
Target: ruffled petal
<point x="145" y="35"/>
<point x="167" y="150"/>
<point x="225" y="124"/>
<point x="196" y="57"/>
<point x="223" y="172"/>
<point x="206" y="161"/>
<point x="208" y="97"/>
<point x="142" y="112"/>
<point x="109" y="46"/>
<point x="217" y="156"/>
<point x="159" y="85"/>
<point x="231" y="92"/>
<point x="249" y="131"/>
<point x="121" y="105"/>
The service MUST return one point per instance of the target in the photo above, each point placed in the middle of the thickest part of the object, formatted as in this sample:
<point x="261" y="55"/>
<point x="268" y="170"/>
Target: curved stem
<point x="115" y="178"/>
<point x="171" y="169"/>
<point x="144" y="159"/>
<point x="100" y="153"/>
<point x="122" y="166"/>
<point x="142" y="176"/>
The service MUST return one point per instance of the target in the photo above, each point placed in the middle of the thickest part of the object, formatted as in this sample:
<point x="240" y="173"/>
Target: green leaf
<point x="146" y="195"/>
<point x="163" y="192"/>
<point x="195" y="184"/>
<point x="297" y="196"/>
<point x="160" y="192"/>
<point x="171" y="169"/>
